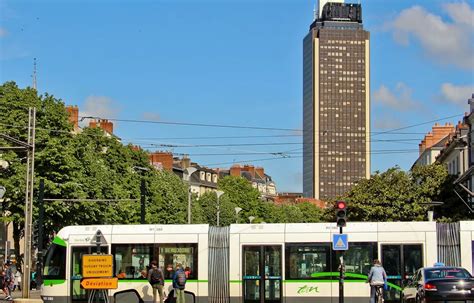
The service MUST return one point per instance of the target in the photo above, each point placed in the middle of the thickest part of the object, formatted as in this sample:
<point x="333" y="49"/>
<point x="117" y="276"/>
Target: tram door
<point x="262" y="277"/>
<point x="79" y="295"/>
<point x="400" y="262"/>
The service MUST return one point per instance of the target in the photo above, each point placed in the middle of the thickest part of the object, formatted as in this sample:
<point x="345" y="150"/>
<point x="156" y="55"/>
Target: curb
<point x="20" y="300"/>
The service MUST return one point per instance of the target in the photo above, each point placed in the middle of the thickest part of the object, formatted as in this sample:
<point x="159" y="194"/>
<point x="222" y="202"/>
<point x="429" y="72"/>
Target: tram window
<point x="55" y="263"/>
<point x="413" y="260"/>
<point x="306" y="261"/>
<point x="171" y="254"/>
<point x="130" y="260"/>
<point x="358" y="258"/>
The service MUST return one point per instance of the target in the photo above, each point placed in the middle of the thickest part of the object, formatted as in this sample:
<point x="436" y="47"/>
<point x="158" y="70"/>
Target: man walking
<point x="179" y="283"/>
<point x="376" y="278"/>
<point x="156" y="279"/>
<point x="8" y="279"/>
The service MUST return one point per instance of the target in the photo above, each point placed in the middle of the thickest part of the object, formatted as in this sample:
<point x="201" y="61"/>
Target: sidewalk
<point x="34" y="297"/>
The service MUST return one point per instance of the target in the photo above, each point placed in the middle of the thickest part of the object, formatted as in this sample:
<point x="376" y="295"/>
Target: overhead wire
<point x="279" y="153"/>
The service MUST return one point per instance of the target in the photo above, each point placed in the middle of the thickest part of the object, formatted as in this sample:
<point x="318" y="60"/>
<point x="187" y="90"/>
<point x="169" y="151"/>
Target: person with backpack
<point x="157" y="281"/>
<point x="179" y="283"/>
<point x="8" y="280"/>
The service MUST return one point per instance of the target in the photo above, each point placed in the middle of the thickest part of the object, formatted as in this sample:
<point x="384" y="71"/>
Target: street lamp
<point x="237" y="211"/>
<point x="219" y="193"/>
<point x="430" y="212"/>
<point x="187" y="177"/>
<point x="251" y="218"/>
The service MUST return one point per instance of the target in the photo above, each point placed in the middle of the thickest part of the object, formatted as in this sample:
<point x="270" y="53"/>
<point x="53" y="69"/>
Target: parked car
<point x="439" y="284"/>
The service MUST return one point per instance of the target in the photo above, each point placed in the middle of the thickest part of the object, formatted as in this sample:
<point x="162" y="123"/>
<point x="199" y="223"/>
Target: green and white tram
<point x="256" y="263"/>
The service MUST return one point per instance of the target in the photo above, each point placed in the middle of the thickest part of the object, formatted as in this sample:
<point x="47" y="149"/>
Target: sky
<point x="237" y="63"/>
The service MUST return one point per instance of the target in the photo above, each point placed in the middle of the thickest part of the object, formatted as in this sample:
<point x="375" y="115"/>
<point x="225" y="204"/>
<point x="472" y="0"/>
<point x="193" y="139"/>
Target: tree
<point x="88" y="165"/>
<point x="238" y="192"/>
<point x="51" y="153"/>
<point x="395" y="195"/>
<point x="208" y="205"/>
<point x="168" y="199"/>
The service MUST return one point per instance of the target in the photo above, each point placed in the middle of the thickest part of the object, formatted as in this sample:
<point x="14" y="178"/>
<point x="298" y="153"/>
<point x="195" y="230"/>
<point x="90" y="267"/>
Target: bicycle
<point x="378" y="293"/>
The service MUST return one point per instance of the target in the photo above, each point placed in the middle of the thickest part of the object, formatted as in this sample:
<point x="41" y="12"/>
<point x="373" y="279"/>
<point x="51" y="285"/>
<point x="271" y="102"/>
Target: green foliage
<point x="239" y="192"/>
<point x="88" y="165"/>
<point x="395" y="195"/>
<point x="168" y="199"/>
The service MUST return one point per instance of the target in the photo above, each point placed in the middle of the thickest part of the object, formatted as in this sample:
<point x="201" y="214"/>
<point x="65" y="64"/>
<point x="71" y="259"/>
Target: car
<point x="439" y="284"/>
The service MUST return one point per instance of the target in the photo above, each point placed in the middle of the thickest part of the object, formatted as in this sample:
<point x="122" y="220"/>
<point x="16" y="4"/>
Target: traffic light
<point x="341" y="214"/>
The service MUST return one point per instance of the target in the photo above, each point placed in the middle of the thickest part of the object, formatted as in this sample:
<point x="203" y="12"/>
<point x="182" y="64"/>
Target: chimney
<point x="185" y="162"/>
<point x="73" y="113"/>
<point x="235" y="170"/>
<point x="438" y="133"/>
<point x="260" y="171"/>
<point x="441" y="131"/>
<point x="250" y="169"/>
<point x="104" y="124"/>
<point x="161" y="160"/>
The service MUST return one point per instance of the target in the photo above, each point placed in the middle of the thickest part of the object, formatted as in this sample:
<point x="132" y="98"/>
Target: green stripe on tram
<point x="361" y="279"/>
<point x="167" y="281"/>
<point x="57" y="240"/>
<point x="352" y="275"/>
<point x="53" y="282"/>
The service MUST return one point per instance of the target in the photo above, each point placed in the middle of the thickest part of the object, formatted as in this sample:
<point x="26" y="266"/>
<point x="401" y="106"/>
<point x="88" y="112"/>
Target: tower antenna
<point x="34" y="73"/>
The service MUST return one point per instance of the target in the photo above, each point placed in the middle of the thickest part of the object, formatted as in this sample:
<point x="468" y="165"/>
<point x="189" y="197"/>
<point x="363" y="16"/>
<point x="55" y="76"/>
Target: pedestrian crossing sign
<point x="340" y="242"/>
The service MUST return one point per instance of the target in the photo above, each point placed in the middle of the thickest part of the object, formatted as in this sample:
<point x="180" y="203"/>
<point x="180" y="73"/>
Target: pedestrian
<point x="18" y="279"/>
<point x="2" y="278"/>
<point x="376" y="278"/>
<point x="8" y="279"/>
<point x="157" y="281"/>
<point x="169" y="272"/>
<point x="17" y="282"/>
<point x="179" y="283"/>
<point x="187" y="271"/>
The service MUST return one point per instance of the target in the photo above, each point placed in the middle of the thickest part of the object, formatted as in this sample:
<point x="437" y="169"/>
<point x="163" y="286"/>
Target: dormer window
<point x="208" y="177"/>
<point x="214" y="178"/>
<point x="202" y="175"/>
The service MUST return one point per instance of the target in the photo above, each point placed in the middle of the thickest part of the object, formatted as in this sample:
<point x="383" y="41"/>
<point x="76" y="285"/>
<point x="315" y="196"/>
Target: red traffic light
<point x="341" y="213"/>
<point x="341" y="204"/>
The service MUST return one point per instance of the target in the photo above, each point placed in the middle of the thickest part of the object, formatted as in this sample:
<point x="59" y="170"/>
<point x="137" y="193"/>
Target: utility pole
<point x="39" y="256"/>
<point x="29" y="201"/>
<point x="142" y="201"/>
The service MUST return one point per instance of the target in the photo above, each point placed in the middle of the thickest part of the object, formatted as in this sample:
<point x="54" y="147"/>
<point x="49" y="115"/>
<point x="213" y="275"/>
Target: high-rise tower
<point x="336" y="101"/>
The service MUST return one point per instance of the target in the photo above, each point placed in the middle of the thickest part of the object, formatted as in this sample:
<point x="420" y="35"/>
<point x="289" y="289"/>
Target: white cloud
<point x="100" y="107"/>
<point x="457" y="94"/>
<point x="460" y="12"/>
<point x="3" y="32"/>
<point x="400" y="99"/>
<point x="446" y="42"/>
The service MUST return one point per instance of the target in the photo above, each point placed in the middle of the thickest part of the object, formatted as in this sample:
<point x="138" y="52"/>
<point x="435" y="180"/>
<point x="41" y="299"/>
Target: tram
<point x="256" y="263"/>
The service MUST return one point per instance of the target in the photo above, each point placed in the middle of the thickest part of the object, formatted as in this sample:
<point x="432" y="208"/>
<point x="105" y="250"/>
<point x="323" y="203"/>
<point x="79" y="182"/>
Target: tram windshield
<point x="55" y="262"/>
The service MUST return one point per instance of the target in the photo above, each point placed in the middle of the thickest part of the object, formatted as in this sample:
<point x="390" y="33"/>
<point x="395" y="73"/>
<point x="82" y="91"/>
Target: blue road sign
<point x="340" y="242"/>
